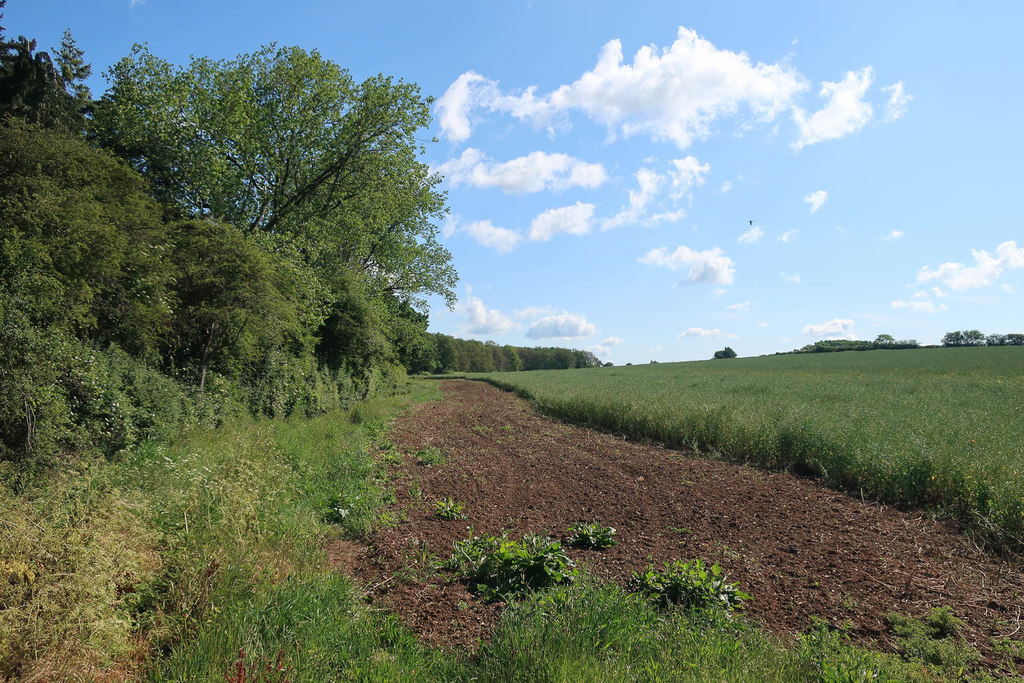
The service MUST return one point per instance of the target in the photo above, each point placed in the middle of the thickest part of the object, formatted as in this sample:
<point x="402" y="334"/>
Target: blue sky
<point x="659" y="181"/>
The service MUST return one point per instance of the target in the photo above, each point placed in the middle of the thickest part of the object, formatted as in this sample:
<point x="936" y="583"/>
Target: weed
<point x="689" y="584"/>
<point x="502" y="568"/>
<point x="415" y="492"/>
<point x="934" y="639"/>
<point x="430" y="456"/>
<point x="592" y="536"/>
<point x="448" y="508"/>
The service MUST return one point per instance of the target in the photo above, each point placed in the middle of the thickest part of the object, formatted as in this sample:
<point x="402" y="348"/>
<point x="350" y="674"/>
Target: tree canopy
<point x="284" y="142"/>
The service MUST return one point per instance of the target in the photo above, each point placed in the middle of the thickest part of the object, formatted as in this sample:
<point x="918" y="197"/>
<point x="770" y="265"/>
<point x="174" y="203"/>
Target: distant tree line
<point x="882" y="341"/>
<point x="443" y="353"/>
<point x="256" y="234"/>
<point x="976" y="338"/>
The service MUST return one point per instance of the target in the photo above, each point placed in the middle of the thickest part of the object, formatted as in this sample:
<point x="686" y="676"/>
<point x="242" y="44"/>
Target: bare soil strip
<point x="800" y="549"/>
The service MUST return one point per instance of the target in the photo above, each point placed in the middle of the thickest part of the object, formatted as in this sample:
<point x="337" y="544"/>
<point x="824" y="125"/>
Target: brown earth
<point x="799" y="549"/>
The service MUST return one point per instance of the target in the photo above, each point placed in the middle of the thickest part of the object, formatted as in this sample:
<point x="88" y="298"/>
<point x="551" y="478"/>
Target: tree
<point x="955" y="338"/>
<point x="727" y="352"/>
<point x="236" y="301"/>
<point x="884" y="340"/>
<point x="40" y="89"/>
<point x="284" y="142"/>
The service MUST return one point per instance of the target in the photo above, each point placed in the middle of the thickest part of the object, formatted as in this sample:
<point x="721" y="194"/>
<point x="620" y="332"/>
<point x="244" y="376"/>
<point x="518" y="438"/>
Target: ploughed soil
<point x="800" y="549"/>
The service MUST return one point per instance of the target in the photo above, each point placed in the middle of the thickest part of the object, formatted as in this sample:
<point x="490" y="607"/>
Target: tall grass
<point x="934" y="428"/>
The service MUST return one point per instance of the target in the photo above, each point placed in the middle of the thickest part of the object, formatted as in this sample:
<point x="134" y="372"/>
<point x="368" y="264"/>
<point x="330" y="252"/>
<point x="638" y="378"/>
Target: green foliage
<point x="431" y="456"/>
<point x="691" y="585"/>
<point x="448" y="508"/>
<point x="936" y="639"/>
<point x="727" y="352"/>
<point x="591" y="536"/>
<point x="284" y="142"/>
<point x="937" y="428"/>
<point x="502" y="569"/>
<point x="44" y="90"/>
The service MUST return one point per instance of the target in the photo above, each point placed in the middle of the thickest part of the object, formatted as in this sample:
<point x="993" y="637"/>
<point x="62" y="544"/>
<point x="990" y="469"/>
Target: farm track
<point x="799" y="549"/>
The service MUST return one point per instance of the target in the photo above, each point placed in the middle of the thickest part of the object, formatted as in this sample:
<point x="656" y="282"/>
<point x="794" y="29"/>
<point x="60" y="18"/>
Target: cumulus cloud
<point x="726" y="186"/>
<point x="787" y="236"/>
<point x="838" y="328"/>
<point x="501" y="240"/>
<point x="534" y="312"/>
<point x="700" y="332"/>
<point x="574" y="220"/>
<point x="845" y="113"/>
<point x="986" y="269"/>
<point x="740" y="307"/>
<point x="563" y="326"/>
<point x="711" y="266"/>
<point x="482" y="320"/>
<point x="470" y="91"/>
<point x="612" y="341"/>
<point x="896" y="107"/>
<point x="920" y="306"/>
<point x="816" y="199"/>
<point x="673" y="93"/>
<point x="687" y="173"/>
<point x="792" y="279"/>
<point x="534" y="172"/>
<point x="894" y="235"/>
<point x="648" y="183"/>
<point x="751" y="236"/>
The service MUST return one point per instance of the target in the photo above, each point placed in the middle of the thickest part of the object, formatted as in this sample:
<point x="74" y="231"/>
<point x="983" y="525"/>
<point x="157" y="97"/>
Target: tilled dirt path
<point x="799" y="549"/>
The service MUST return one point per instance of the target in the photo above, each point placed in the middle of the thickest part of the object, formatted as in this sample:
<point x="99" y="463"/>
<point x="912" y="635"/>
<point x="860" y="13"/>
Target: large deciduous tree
<point x="286" y="143"/>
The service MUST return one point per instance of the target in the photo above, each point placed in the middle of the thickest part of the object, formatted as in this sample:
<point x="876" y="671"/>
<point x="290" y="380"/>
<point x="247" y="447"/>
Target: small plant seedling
<point x="415" y="492"/>
<point x="592" y="536"/>
<point x="692" y="585"/>
<point x="449" y="508"/>
<point x="430" y="456"/>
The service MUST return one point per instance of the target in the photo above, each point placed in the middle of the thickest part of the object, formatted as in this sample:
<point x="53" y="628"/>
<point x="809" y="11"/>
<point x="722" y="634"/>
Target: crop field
<point x="936" y="428"/>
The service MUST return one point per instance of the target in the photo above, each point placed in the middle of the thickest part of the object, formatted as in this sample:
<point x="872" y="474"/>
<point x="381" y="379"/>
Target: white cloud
<point x="648" y="183"/>
<point x="501" y="240"/>
<point x="920" y="306"/>
<point x="564" y="326"/>
<point x="895" y="235"/>
<point x="574" y="220"/>
<point x="792" y="279"/>
<point x="740" y="307"/>
<point x="672" y="93"/>
<point x="984" y="272"/>
<point x="600" y="350"/>
<point x="751" y="236"/>
<point x="845" y="113"/>
<point x="710" y="266"/>
<point x="687" y="173"/>
<point x="700" y="332"/>
<point x="534" y="312"/>
<point x="471" y="90"/>
<point x="612" y="341"/>
<point x="896" y="107"/>
<point x="534" y="172"/>
<point x="1008" y="289"/>
<point x="482" y="320"/>
<point x="787" y="236"/>
<point x="839" y="328"/>
<point x="453" y="107"/>
<point x="816" y="199"/>
<point x="726" y="186"/>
